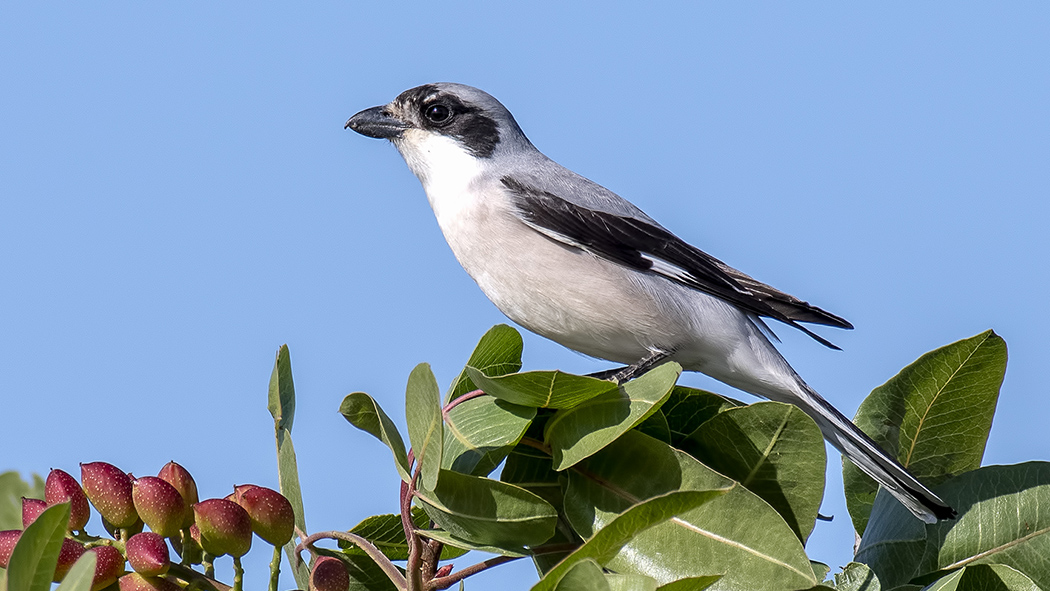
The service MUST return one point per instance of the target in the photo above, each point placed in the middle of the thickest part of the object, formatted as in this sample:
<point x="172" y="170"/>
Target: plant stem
<point x="378" y="557"/>
<point x="275" y="568"/>
<point x="196" y="579"/>
<point x="460" y="400"/>
<point x="238" y="574"/>
<point x="452" y="579"/>
<point x="209" y="565"/>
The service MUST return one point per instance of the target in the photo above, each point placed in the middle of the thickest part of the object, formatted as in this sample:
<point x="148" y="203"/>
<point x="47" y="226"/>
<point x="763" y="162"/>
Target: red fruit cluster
<point x="168" y="504"/>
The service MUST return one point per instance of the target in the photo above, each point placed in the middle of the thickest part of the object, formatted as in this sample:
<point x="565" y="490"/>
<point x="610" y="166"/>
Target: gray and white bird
<point x="572" y="261"/>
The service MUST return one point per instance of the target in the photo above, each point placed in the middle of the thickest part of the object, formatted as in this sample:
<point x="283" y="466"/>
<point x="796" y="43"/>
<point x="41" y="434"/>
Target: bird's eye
<point x="437" y="113"/>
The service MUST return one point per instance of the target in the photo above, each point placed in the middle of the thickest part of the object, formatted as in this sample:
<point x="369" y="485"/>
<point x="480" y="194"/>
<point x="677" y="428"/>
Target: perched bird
<point x="572" y="261"/>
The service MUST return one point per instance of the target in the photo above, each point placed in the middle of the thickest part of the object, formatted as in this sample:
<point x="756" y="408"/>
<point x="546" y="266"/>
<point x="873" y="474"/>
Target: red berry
<point x="329" y="574"/>
<point x="109" y="490"/>
<point x="272" y="516"/>
<point x="109" y="563"/>
<point x="148" y="554"/>
<point x="8" y="539"/>
<point x="60" y="488"/>
<point x="225" y="527"/>
<point x="71" y="551"/>
<point x="159" y="504"/>
<point x="180" y="478"/>
<point x="31" y="509"/>
<point x="137" y="582"/>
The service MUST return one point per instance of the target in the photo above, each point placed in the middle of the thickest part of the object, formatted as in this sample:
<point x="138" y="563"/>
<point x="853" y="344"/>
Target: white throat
<point x="447" y="170"/>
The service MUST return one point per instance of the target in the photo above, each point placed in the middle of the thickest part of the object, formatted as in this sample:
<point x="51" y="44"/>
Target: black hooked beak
<point x="376" y="122"/>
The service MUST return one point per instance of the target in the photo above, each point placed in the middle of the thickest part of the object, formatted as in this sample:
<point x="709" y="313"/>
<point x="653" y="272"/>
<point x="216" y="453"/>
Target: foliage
<point x="652" y="486"/>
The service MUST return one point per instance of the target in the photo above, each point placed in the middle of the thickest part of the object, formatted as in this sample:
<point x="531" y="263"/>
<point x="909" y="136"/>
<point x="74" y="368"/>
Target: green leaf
<point x="488" y="512"/>
<point x="655" y="426"/>
<point x="480" y="432"/>
<point x="690" y="584"/>
<point x="281" y="404"/>
<point x="688" y="408"/>
<point x="365" y="413"/>
<point x="857" y="577"/>
<point x="610" y="540"/>
<point x="773" y="449"/>
<point x="387" y="534"/>
<point x="498" y="353"/>
<point x="933" y="416"/>
<point x="1002" y="519"/>
<point x="622" y="582"/>
<point x="984" y="577"/>
<point x="81" y="575"/>
<point x="12" y="489"/>
<point x="581" y="431"/>
<point x="452" y="541"/>
<point x="541" y="389"/>
<point x="737" y="534"/>
<point x="423" y="414"/>
<point x="585" y="575"/>
<point x="33" y="560"/>
<point x="534" y="471"/>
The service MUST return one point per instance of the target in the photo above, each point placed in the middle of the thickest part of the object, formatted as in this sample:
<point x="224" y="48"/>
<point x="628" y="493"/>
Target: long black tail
<point x="869" y="457"/>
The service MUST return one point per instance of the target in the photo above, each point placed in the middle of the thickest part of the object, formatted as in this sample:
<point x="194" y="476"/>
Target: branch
<point x="384" y="563"/>
<point x="452" y="579"/>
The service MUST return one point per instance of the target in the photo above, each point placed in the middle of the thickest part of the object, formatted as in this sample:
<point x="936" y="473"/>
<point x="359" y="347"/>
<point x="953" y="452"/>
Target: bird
<point x="570" y="260"/>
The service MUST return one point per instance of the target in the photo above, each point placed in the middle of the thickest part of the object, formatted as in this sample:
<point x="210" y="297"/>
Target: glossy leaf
<point x="773" y="449"/>
<point x="497" y="353"/>
<point x="425" y="427"/>
<point x="452" y="541"/>
<point x="984" y="577"/>
<point x="282" y="407"/>
<point x="1003" y="519"/>
<point x="857" y="577"/>
<point x="534" y="471"/>
<point x="690" y="584"/>
<point x="688" y="408"/>
<point x="585" y="575"/>
<point x="610" y="540"/>
<point x="541" y="389"/>
<point x="488" y="512"/>
<point x="737" y="534"/>
<point x="933" y="416"/>
<point x="35" y="556"/>
<point x="622" y="582"/>
<point x="480" y="432"/>
<point x="363" y="412"/>
<point x="387" y="534"/>
<point x="581" y="431"/>
<point x="12" y="489"/>
<point x="81" y="575"/>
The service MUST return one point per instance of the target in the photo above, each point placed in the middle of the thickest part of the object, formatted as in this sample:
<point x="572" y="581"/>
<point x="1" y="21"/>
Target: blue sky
<point x="179" y="198"/>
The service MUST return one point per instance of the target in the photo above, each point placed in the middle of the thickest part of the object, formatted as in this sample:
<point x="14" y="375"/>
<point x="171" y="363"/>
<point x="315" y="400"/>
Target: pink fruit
<point x="225" y="527"/>
<point x="8" y="539"/>
<point x="61" y="487"/>
<point x="148" y="554"/>
<point x="159" y="504"/>
<point x="329" y="574"/>
<point x="109" y="490"/>
<point x="272" y="516"/>
<point x="109" y="563"/>
<point x="31" y="509"/>
<point x="180" y="478"/>
<point x="70" y="552"/>
<point x="137" y="582"/>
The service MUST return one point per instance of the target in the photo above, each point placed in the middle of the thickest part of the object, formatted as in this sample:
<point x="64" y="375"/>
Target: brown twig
<point x="374" y="553"/>
<point x="452" y="579"/>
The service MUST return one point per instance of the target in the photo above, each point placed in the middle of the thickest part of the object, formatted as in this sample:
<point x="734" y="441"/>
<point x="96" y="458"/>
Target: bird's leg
<point x="628" y="373"/>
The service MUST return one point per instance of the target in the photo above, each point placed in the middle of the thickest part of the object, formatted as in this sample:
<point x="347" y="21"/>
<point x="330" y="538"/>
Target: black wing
<point x="647" y="247"/>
